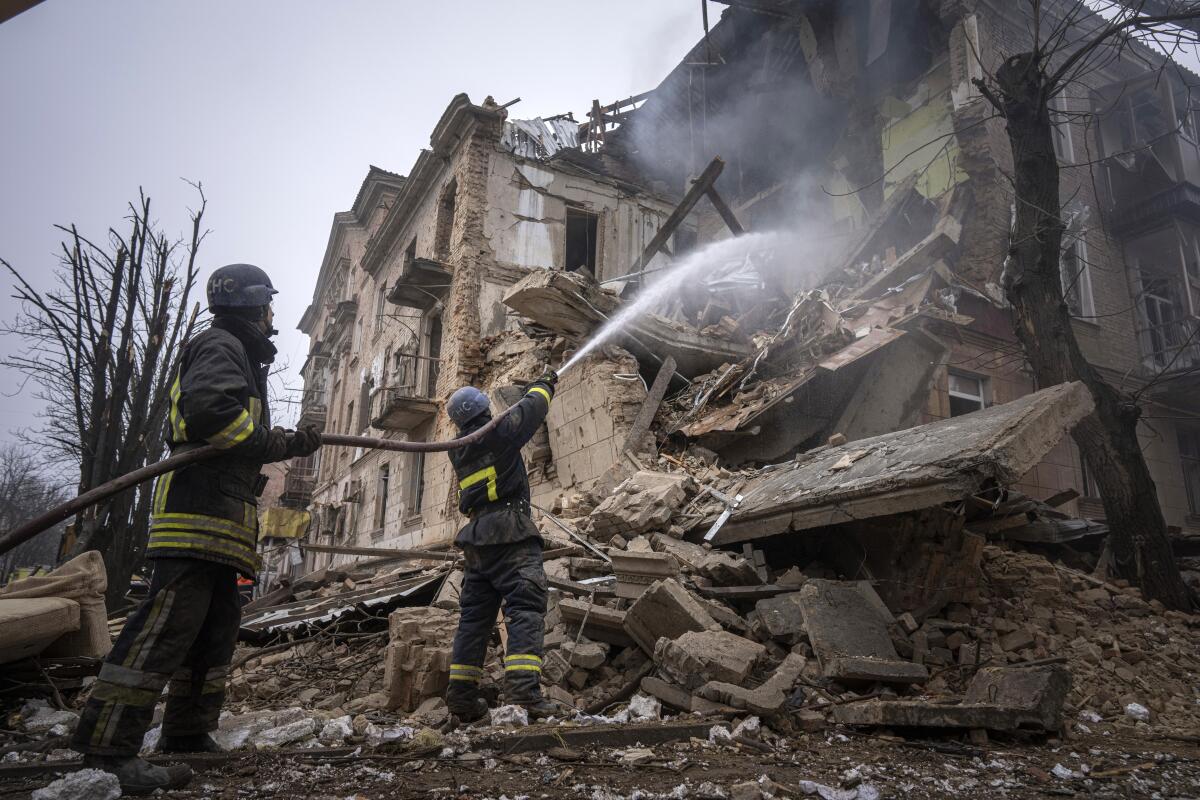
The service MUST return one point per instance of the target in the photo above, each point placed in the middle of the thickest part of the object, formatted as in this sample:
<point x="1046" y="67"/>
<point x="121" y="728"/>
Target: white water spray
<point x="651" y="297"/>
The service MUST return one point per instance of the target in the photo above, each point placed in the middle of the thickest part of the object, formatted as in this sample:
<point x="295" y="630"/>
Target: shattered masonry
<point x="814" y="495"/>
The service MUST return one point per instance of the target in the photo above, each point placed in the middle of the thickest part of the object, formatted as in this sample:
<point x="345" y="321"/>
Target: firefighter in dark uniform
<point x="203" y="532"/>
<point x="502" y="549"/>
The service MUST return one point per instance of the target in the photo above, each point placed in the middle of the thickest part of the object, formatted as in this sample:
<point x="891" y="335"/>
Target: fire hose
<point x="33" y="527"/>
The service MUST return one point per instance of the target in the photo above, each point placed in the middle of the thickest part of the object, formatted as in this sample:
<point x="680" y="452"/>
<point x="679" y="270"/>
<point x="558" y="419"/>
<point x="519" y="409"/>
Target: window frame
<point x="1076" y="244"/>
<point x="981" y="398"/>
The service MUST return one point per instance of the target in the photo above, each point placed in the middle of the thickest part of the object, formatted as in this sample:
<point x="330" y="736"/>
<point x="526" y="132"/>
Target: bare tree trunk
<point x="1141" y="551"/>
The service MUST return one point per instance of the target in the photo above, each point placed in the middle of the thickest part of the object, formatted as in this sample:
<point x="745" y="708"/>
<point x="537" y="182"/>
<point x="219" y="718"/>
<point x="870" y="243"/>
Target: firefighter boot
<point x="465" y="701"/>
<point x="526" y="691"/>
<point x="138" y="776"/>
<point x="196" y="743"/>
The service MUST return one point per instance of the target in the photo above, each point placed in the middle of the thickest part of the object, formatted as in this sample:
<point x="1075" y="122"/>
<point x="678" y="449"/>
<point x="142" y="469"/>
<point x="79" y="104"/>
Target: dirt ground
<point x="848" y="765"/>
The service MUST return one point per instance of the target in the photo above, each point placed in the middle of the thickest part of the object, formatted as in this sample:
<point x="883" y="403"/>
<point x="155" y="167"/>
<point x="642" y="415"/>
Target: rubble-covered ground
<point x="1117" y="759"/>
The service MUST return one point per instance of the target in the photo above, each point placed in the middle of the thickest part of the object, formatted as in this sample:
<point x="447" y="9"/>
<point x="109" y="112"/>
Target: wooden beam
<point x="699" y="188"/>
<point x="382" y="552"/>
<point x="731" y="220"/>
<point x="654" y="398"/>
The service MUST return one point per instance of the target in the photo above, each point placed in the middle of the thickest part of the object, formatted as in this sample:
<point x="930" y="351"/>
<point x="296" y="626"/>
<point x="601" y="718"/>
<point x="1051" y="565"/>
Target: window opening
<point x="1076" y="275"/>
<point x="582" y="229"/>
<point x="434" y="353"/>
<point x="416" y="483"/>
<point x="966" y="394"/>
<point x="381" y="497"/>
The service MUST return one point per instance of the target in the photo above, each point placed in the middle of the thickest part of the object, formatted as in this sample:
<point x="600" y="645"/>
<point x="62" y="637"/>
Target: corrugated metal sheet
<point x="538" y="138"/>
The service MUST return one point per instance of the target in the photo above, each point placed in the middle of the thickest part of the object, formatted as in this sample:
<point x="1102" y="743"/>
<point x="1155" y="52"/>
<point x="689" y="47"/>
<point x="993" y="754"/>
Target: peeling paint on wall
<point x="921" y="139"/>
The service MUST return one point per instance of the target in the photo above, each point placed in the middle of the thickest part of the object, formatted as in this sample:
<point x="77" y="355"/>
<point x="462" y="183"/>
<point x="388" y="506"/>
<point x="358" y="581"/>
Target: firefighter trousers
<point x="182" y="636"/>
<point x="511" y="574"/>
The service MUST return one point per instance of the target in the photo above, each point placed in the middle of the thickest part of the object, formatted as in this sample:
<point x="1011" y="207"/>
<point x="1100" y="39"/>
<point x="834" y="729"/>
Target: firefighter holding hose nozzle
<point x="502" y="549"/>
<point x="203" y="532"/>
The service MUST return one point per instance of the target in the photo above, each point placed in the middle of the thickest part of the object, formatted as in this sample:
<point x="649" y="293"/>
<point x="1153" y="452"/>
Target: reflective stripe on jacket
<point x="491" y="472"/>
<point x="209" y="510"/>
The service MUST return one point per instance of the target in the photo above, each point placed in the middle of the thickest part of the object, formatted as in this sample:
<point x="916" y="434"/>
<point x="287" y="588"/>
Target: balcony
<point x="423" y="284"/>
<point x="299" y="483"/>
<point x="401" y="408"/>
<point x="1148" y="134"/>
<point x="343" y="314"/>
<point x="313" y="408"/>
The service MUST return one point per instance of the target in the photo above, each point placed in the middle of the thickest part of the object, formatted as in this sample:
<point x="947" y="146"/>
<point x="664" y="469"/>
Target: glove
<point x="276" y="446"/>
<point x="304" y="442"/>
<point x="551" y="377"/>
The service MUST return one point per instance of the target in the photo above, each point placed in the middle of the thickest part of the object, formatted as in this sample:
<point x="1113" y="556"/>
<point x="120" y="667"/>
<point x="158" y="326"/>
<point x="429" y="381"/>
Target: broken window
<point x="1061" y="127"/>
<point x="1161" y="264"/>
<point x="1189" y="458"/>
<point x="1074" y="271"/>
<point x="415" y="488"/>
<point x="434" y="351"/>
<point x="364" y="405"/>
<point x="967" y="393"/>
<point x="381" y="498"/>
<point x="380" y="310"/>
<point x="582" y="229"/>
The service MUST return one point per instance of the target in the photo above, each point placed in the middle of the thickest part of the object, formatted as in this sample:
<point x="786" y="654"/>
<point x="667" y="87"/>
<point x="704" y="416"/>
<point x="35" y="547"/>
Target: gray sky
<point x="277" y="107"/>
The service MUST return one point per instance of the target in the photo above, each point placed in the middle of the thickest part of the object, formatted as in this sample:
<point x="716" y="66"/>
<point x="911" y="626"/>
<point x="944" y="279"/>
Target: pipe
<point x="33" y="527"/>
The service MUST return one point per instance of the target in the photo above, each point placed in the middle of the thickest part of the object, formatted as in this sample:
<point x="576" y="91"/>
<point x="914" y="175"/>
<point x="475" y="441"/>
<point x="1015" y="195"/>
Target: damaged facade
<point x="859" y="313"/>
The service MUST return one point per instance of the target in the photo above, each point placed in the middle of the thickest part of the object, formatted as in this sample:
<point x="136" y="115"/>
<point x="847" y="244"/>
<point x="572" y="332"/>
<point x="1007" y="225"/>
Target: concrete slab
<point x="908" y="470"/>
<point x="847" y="626"/>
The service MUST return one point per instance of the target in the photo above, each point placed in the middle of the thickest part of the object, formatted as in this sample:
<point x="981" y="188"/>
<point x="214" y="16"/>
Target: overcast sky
<point x="277" y="107"/>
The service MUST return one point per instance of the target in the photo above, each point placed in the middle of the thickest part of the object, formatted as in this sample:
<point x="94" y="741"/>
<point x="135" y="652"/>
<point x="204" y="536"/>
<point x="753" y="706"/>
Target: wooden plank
<point x="698" y="189"/>
<point x="731" y="220"/>
<point x="645" y="416"/>
<point x="383" y="552"/>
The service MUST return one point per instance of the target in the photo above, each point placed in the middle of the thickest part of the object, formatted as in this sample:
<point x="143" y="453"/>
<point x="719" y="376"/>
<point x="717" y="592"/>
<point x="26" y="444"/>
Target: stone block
<point x="644" y="502"/>
<point x="604" y="624"/>
<point x="636" y="570"/>
<point x="1036" y="693"/>
<point x="729" y="569"/>
<point x="697" y="657"/>
<point x="847" y="625"/>
<point x="1017" y="640"/>
<point x="585" y="654"/>
<point x="671" y="695"/>
<point x="781" y="617"/>
<point x="416" y="662"/>
<point x="665" y="609"/>
<point x="447" y="596"/>
<point x="998" y="699"/>
<point x="767" y="699"/>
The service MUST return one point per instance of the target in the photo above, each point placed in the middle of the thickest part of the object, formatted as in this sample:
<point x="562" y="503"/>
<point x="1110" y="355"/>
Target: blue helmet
<point x="466" y="404"/>
<point x="239" y="286"/>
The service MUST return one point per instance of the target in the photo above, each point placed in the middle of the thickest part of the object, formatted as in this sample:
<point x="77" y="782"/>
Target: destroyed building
<point x="814" y="492"/>
<point x="855" y="143"/>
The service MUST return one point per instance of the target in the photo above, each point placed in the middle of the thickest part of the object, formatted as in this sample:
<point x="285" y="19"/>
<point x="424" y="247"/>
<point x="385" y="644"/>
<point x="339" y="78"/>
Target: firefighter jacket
<point x="492" y="482"/>
<point x="209" y="510"/>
